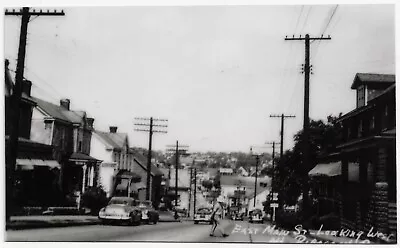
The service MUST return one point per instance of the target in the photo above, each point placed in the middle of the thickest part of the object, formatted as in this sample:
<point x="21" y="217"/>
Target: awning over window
<point x="52" y="163"/>
<point x="335" y="169"/>
<point x="24" y="164"/>
<point x="330" y="170"/>
<point x="29" y="164"/>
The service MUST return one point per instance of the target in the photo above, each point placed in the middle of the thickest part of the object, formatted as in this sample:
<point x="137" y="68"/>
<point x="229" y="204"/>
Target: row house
<point x="123" y="170"/>
<point x="70" y="133"/>
<point x="361" y="174"/>
<point x="35" y="171"/>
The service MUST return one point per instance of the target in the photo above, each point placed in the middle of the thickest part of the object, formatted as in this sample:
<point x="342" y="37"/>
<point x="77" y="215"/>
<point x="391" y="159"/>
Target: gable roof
<point x="113" y="140"/>
<point x="60" y="113"/>
<point x="377" y="80"/>
<point x="142" y="161"/>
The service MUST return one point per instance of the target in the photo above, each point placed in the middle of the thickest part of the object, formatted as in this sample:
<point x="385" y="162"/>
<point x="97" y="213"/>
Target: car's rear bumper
<point x="114" y="218"/>
<point x="202" y="219"/>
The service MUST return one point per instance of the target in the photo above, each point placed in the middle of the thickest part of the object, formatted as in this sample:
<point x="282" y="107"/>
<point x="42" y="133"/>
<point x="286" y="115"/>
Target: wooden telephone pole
<point x="282" y="116"/>
<point x="257" y="155"/>
<point x="151" y="130"/>
<point x="12" y="148"/>
<point x="273" y="162"/>
<point x="179" y="149"/>
<point x="306" y="123"/>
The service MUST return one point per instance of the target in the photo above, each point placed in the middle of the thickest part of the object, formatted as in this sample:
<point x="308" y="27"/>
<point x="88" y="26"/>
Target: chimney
<point x="65" y="103"/>
<point x="26" y="87"/>
<point x="113" y="129"/>
<point x="90" y="122"/>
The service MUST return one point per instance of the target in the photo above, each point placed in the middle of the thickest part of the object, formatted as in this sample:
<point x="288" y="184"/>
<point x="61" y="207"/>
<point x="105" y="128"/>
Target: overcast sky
<point x="216" y="72"/>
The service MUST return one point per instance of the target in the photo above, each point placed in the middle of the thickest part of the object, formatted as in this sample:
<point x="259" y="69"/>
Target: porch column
<point x="91" y="177"/>
<point x="84" y="168"/>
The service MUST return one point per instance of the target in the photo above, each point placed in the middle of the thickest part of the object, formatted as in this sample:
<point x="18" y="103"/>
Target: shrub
<point x="94" y="198"/>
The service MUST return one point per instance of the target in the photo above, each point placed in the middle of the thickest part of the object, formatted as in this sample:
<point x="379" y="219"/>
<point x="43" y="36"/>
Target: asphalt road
<point x="185" y="231"/>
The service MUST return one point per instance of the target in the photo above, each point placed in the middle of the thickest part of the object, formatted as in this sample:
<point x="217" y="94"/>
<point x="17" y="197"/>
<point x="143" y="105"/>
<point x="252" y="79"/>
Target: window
<point x="47" y="125"/>
<point x="80" y="146"/>
<point x="361" y="96"/>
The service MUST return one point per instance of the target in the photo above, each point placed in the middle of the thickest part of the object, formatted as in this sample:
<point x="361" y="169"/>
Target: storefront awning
<point x="335" y="169"/>
<point x="329" y="170"/>
<point x="29" y="164"/>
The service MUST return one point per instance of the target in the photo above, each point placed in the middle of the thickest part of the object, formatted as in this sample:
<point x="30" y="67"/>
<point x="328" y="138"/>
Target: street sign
<point x="275" y="196"/>
<point x="274" y="205"/>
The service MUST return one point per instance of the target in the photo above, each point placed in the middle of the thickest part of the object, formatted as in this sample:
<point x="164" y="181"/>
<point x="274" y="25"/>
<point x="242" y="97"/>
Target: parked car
<point x="237" y="216"/>
<point x="203" y="215"/>
<point x="122" y="210"/>
<point x="149" y="214"/>
<point x="256" y="216"/>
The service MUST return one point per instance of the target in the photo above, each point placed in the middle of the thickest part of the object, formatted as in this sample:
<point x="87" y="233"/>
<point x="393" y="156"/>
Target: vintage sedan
<point x="256" y="216"/>
<point x="121" y="210"/>
<point x="237" y="216"/>
<point x="149" y="214"/>
<point x="203" y="215"/>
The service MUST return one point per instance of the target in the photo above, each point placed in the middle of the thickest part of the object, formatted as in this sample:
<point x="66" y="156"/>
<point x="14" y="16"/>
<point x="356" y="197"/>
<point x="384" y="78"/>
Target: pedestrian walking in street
<point x="216" y="217"/>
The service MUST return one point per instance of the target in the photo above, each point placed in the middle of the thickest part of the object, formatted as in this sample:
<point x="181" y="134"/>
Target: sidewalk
<point x="43" y="221"/>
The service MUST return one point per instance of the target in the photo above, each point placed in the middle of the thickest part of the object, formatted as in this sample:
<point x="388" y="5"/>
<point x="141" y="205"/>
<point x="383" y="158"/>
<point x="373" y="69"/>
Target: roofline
<point x="354" y="112"/>
<point x="357" y="81"/>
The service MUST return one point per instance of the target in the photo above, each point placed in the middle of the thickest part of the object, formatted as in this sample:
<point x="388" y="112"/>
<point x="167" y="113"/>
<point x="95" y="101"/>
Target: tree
<point x="290" y="170"/>
<point x="208" y="184"/>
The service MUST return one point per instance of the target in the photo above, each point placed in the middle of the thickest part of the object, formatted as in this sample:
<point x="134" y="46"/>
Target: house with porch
<point x="123" y="170"/>
<point x="36" y="172"/>
<point x="70" y="133"/>
<point x="359" y="179"/>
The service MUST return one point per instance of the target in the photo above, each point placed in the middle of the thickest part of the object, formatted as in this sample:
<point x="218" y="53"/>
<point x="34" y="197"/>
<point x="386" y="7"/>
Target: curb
<point x="38" y="225"/>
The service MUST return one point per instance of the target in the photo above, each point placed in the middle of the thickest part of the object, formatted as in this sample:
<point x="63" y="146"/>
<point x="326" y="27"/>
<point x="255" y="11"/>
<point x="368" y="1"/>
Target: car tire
<point x="132" y="221"/>
<point x="196" y="222"/>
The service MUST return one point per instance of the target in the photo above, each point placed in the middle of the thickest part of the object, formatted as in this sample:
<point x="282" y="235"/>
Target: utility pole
<point x="190" y="190"/>
<point x="12" y="148"/>
<point x="255" y="182"/>
<point x="282" y="116"/>
<point x="178" y="149"/>
<point x="306" y="123"/>
<point x="151" y="130"/>
<point x="273" y="162"/>
<point x="195" y="189"/>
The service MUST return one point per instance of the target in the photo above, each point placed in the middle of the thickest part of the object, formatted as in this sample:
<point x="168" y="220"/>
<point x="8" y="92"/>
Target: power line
<point x="298" y="19"/>
<point x="305" y="22"/>
<point x="330" y="19"/>
<point x="324" y="30"/>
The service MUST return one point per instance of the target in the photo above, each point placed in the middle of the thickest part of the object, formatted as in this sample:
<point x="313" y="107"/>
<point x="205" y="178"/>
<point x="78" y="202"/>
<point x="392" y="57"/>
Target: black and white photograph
<point x="239" y="123"/>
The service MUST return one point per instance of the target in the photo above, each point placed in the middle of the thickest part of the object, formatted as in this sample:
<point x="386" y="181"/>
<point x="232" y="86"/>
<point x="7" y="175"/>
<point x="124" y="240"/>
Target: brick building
<point x="358" y="181"/>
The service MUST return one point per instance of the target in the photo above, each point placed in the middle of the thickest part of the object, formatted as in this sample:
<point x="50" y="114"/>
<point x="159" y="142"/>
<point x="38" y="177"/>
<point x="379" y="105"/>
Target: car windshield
<point x="121" y="201"/>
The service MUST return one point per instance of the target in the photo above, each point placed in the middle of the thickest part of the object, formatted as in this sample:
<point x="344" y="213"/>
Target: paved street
<point x="185" y="231"/>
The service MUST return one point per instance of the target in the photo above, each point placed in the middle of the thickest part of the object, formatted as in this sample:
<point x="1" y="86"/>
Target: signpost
<point x="274" y="206"/>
